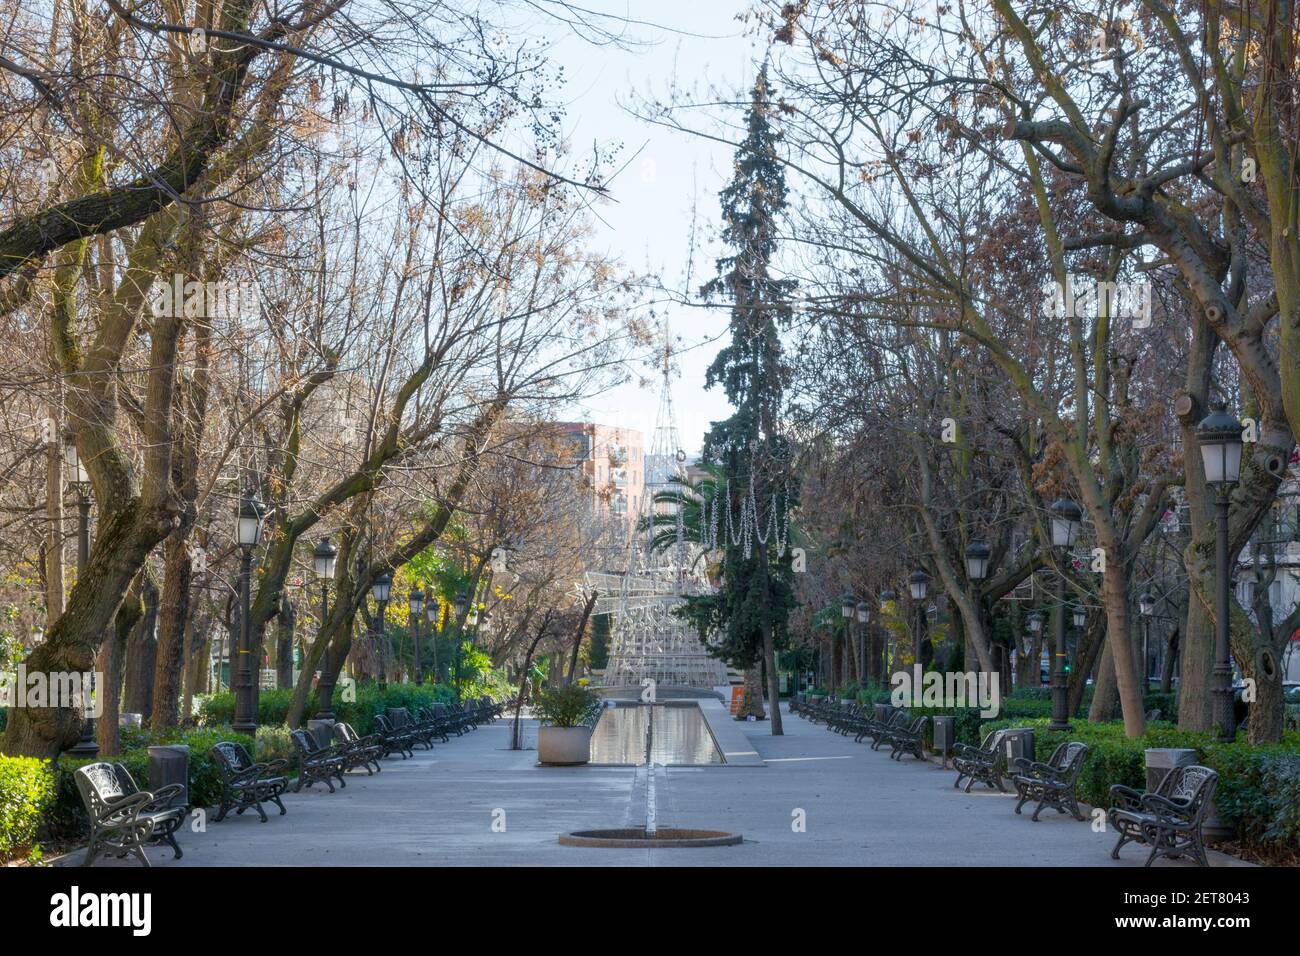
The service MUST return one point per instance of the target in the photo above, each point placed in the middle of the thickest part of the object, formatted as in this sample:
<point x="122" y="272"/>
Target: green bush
<point x="26" y="794"/>
<point x="67" y="817"/>
<point x="218" y="710"/>
<point x="570" y="706"/>
<point x="1258" y="789"/>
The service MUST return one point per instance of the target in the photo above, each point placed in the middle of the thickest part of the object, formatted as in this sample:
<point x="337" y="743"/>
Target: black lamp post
<point x="415" y="604"/>
<point x="431" y="618"/>
<point x="1067" y="521"/>
<point x="1080" y="621"/>
<point x="887" y="599"/>
<point x="380" y="590"/>
<point x="248" y="531"/>
<point x="977" y="569"/>
<point x="918" y="584"/>
<point x="864" y="617"/>
<point x="1147" y="607"/>
<point x="462" y="609"/>
<point x="86" y="746"/>
<point x="1219" y="435"/>
<point x="848" y="607"/>
<point x="324" y="559"/>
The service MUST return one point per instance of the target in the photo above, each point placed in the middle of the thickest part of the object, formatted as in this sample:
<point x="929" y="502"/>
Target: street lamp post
<point x="887" y="597"/>
<point x="1219" y="435"/>
<point x="86" y="746"/>
<point x="462" y="609"/>
<point x="248" y="531"/>
<point x="1067" y="520"/>
<point x="848" y="607"/>
<point x="918" y="584"/>
<point x="380" y="591"/>
<point x="864" y="617"/>
<point x="1147" y="607"/>
<point x="431" y="618"/>
<point x="325" y="560"/>
<point x="977" y="569"/>
<point x="415" y="604"/>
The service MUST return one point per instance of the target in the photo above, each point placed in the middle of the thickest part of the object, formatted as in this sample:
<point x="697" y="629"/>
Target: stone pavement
<point x="473" y="802"/>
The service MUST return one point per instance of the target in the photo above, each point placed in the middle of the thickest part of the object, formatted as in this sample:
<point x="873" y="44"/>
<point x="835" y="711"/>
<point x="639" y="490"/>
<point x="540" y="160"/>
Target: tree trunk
<point x="1105" y="694"/>
<point x="773" y="681"/>
<point x="285" y="622"/>
<point x="753" y="705"/>
<point x="173" y="614"/>
<point x="139" y="657"/>
<point x="109" y="664"/>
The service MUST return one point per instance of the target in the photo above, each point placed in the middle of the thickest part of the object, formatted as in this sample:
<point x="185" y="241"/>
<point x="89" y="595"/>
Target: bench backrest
<point x="345" y="733"/>
<point x="231" y="757"/>
<point x="1192" y="788"/>
<point x="100" y="787"/>
<point x="1068" y="758"/>
<point x="305" y="742"/>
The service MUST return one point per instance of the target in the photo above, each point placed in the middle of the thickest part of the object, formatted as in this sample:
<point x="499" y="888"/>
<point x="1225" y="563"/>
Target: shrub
<point x="274" y="743"/>
<point x="26" y="794"/>
<point x="570" y="706"/>
<point x="218" y="710"/>
<point x="67" y="816"/>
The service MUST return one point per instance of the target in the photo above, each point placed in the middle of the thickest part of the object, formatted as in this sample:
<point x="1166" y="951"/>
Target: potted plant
<point x="567" y="715"/>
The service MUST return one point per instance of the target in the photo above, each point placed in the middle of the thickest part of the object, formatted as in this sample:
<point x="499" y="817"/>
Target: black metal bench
<point x="245" y="783"/>
<point x="906" y="738"/>
<point x="873" y="727"/>
<point x="317" y="764"/>
<point x="437" y="722"/>
<point x="393" y="740"/>
<point x="1053" y="783"/>
<point x="357" y="751"/>
<point x="1168" y="820"/>
<point x="125" y="819"/>
<point x="986" y="763"/>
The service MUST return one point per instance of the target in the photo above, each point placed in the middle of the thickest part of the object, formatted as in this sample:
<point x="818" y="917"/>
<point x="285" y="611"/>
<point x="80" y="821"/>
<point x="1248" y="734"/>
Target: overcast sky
<point x="700" y="44"/>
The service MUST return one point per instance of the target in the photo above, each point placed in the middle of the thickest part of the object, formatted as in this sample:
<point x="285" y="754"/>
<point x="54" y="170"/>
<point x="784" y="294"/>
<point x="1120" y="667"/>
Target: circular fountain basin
<point x="637" y="838"/>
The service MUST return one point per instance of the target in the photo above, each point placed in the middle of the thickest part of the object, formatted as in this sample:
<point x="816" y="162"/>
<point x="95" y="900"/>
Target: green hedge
<point x="218" y="710"/>
<point x="67" y="817"/>
<point x="1258" y="789"/>
<point x="26" y="794"/>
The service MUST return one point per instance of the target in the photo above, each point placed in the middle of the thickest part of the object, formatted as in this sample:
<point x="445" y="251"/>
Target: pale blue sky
<point x="697" y="44"/>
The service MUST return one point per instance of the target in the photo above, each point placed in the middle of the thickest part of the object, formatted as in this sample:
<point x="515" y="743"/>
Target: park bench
<point x="1053" y="783"/>
<point x="905" y="738"/>
<point x="871" y="726"/>
<point x="393" y="740"/>
<point x="245" y="783"/>
<point x="416" y="731"/>
<point x="453" y="720"/>
<point x="880" y="729"/>
<point x="470" y="712"/>
<point x="437" y="721"/>
<point x="986" y="763"/>
<point x="317" y="764"/>
<point x="123" y="818"/>
<point x="357" y="751"/>
<point x="845" y="720"/>
<point x="1168" y="820"/>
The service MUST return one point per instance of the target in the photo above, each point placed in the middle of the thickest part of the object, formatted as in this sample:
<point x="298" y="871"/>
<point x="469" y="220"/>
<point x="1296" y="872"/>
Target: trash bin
<point x="883" y="711"/>
<point x="944" y="732"/>
<point x="1018" y="744"/>
<point x="170" y="763"/>
<point x="1161" y="760"/>
<point x="322" y="731"/>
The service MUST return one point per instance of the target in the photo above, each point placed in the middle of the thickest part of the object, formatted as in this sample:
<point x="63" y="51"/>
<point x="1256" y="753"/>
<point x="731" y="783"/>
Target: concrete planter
<point x="816" y="698"/>
<point x="564" y="745"/>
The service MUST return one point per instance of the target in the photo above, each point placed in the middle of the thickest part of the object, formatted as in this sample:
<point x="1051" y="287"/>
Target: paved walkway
<point x="473" y="802"/>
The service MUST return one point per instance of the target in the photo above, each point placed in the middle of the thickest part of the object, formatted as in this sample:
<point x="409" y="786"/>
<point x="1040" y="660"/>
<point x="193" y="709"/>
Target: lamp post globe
<point x="1067" y="521"/>
<point x="977" y="560"/>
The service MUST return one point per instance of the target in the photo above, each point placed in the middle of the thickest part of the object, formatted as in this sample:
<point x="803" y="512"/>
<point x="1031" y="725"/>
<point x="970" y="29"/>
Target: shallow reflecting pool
<point x="680" y="735"/>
